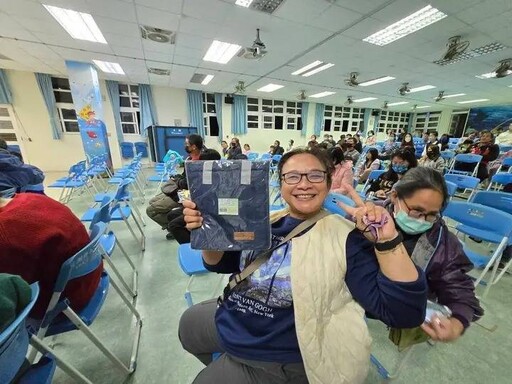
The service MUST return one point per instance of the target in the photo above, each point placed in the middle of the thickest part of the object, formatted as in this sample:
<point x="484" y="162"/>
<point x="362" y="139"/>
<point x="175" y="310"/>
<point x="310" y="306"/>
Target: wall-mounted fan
<point x="349" y="101"/>
<point x="385" y="105"/>
<point x="352" y="80"/>
<point x="504" y="68"/>
<point x="257" y="50"/>
<point x="454" y="48"/>
<point x="240" y="87"/>
<point x="302" y="95"/>
<point x="440" y="96"/>
<point x="404" y="89"/>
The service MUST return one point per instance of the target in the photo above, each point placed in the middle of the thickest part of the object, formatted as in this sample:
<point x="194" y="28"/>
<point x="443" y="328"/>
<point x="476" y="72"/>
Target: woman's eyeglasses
<point x="430" y="217"/>
<point x="293" y="178"/>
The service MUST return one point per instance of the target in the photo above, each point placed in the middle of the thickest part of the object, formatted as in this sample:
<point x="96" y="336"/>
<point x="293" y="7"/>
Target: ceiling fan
<point x="440" y="96"/>
<point x="240" y="87"/>
<point x="404" y="89"/>
<point x="385" y="105"/>
<point x="352" y="80"/>
<point x="504" y="68"/>
<point x="455" y="47"/>
<point x="302" y="95"/>
<point x="349" y="101"/>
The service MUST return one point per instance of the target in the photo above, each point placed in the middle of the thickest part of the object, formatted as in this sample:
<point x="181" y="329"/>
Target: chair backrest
<point x="462" y="181"/>
<point x="122" y="191"/>
<point x="452" y="187"/>
<point x="507" y="162"/>
<point x="253" y="156"/>
<point x="468" y="158"/>
<point x="78" y="169"/>
<point x="505" y="148"/>
<point x="498" y="200"/>
<point x="374" y="175"/>
<point x="453" y="140"/>
<point x="83" y="262"/>
<point x="447" y="155"/>
<point x="266" y="156"/>
<point x="480" y="217"/>
<point x="503" y="178"/>
<point x="102" y="215"/>
<point x="14" y="341"/>
<point x="332" y="200"/>
<point x="276" y="158"/>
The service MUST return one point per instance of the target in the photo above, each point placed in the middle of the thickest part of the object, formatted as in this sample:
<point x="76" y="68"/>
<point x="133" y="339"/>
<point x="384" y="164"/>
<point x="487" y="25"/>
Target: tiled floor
<point x="479" y="356"/>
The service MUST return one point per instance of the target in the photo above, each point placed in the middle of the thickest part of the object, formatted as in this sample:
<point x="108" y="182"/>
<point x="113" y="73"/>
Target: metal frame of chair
<point x="506" y="162"/>
<point x="82" y="263"/>
<point x="374" y="175"/>
<point x="76" y="182"/>
<point x="499" y="180"/>
<point x="463" y="181"/>
<point x="466" y="158"/>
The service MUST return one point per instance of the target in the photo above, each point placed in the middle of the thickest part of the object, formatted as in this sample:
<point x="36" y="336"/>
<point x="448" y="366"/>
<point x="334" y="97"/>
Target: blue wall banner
<point x="85" y="90"/>
<point x="481" y="118"/>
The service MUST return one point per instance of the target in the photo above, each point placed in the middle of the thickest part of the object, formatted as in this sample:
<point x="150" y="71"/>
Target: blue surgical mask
<point x="399" y="168"/>
<point x="411" y="225"/>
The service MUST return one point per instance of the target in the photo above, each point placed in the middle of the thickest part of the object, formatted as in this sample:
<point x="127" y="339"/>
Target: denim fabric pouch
<point x="233" y="198"/>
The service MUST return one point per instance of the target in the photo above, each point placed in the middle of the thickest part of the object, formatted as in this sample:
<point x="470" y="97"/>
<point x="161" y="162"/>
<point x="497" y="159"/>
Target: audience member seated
<point x="224" y="145"/>
<point x="175" y="224"/>
<point x="342" y="175"/>
<point x="401" y="134"/>
<point x="247" y="149"/>
<point x="389" y="147"/>
<point x="4" y="148"/>
<point x="299" y="318"/>
<point x="425" y="138"/>
<point x="433" y="159"/>
<point x="357" y="143"/>
<point x="234" y="148"/>
<point x="326" y="143"/>
<point x="313" y="139"/>
<point x="278" y="150"/>
<point x="489" y="152"/>
<point x="432" y="140"/>
<point x="37" y="235"/>
<point x="312" y="144"/>
<point x="416" y="204"/>
<point x="505" y="138"/>
<point x="15" y="294"/>
<point x="351" y="153"/>
<point x="371" y="163"/>
<point x="464" y="146"/>
<point x="342" y="140"/>
<point x="444" y="141"/>
<point x="290" y="146"/>
<point x="401" y="162"/>
<point x="371" y="139"/>
<point x="407" y="142"/>
<point x="14" y="173"/>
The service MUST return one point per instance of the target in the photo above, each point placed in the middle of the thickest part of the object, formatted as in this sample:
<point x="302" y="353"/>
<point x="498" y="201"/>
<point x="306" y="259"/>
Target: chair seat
<point x="479" y="233"/>
<point x="67" y="184"/>
<point x="108" y="242"/>
<point x="15" y="346"/>
<point x="116" y="214"/>
<point x="477" y="259"/>
<point x="62" y="324"/>
<point x="155" y="178"/>
<point x="89" y="214"/>
<point x="191" y="260"/>
<point x="40" y="373"/>
<point x="98" y="198"/>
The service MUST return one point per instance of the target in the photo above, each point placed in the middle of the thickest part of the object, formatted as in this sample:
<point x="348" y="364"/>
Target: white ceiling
<point x="298" y="33"/>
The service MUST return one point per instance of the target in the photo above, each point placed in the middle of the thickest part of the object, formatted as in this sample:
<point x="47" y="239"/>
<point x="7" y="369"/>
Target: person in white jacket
<point x="433" y="159"/>
<point x="299" y="318"/>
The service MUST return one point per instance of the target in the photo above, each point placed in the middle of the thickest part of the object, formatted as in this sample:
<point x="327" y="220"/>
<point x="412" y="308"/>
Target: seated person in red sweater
<point x="37" y="235"/>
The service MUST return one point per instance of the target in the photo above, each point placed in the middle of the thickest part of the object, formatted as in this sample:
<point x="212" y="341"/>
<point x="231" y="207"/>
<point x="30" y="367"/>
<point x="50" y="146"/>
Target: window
<point x="6" y="125"/>
<point x="343" y="119"/>
<point x="392" y="120"/>
<point x="130" y="109"/>
<point x="64" y="104"/>
<point x="273" y="114"/>
<point x="211" y="125"/>
<point x="426" y="122"/>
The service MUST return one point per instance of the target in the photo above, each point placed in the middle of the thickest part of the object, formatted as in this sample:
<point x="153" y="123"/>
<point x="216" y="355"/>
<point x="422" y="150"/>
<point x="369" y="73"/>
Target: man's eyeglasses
<point x="430" y="217"/>
<point x="314" y="177"/>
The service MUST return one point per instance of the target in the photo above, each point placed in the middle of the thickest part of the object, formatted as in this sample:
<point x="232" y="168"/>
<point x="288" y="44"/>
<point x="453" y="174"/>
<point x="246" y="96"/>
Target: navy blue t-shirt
<point x="256" y="321"/>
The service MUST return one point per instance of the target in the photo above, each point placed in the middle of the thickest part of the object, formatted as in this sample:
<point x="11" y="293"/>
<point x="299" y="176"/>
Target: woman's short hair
<point x="422" y="178"/>
<point x="336" y="155"/>
<point x="320" y="154"/>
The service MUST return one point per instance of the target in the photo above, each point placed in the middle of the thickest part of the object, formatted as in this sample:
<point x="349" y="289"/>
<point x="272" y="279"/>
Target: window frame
<point x="207" y="113"/>
<point x="64" y="106"/>
<point x="133" y="109"/>
<point x="342" y="119"/>
<point x="265" y="113"/>
<point x="394" y="120"/>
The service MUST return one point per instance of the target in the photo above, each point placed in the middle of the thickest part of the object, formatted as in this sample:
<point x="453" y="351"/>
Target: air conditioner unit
<point x="158" y="35"/>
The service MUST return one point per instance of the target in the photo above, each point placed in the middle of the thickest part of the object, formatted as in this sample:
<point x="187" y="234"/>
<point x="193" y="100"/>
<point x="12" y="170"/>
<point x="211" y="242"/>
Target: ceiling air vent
<point x="197" y="78"/>
<point x="158" y="35"/>
<point x="266" y="6"/>
<point x="159" y="71"/>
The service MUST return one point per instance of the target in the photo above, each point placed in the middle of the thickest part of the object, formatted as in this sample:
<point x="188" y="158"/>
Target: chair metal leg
<point x="72" y="316"/>
<point x="188" y="295"/>
<point x="143" y="239"/>
<point x="107" y="260"/>
<point x="39" y="346"/>
<point x="384" y="373"/>
<point x="505" y="269"/>
<point x="135" y="273"/>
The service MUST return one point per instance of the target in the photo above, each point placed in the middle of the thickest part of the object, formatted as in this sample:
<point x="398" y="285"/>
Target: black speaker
<point x="375" y="112"/>
<point x="229" y="99"/>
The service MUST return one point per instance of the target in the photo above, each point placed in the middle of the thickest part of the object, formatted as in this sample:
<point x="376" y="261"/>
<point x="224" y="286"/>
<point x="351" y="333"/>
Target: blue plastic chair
<point x="505" y="148"/>
<point x="191" y="263"/>
<point x="109" y="242"/>
<point x="127" y="151"/>
<point x="506" y="163"/>
<point x="499" y="180"/>
<point x="253" y="156"/>
<point x="453" y="140"/>
<point x="452" y="188"/>
<point x="332" y="200"/>
<point x="485" y="223"/>
<point x="463" y="182"/>
<point x="76" y="182"/>
<point x="14" y="344"/>
<point x="142" y="148"/>
<point x="465" y="158"/>
<point x="266" y="156"/>
<point x="82" y="263"/>
<point x="374" y="175"/>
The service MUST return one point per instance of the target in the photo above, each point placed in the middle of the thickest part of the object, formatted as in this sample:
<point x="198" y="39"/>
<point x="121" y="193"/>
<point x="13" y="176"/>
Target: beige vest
<point x="332" y="334"/>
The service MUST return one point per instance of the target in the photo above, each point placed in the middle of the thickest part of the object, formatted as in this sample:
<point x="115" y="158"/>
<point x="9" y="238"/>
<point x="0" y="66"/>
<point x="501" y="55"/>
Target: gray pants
<point x="198" y="335"/>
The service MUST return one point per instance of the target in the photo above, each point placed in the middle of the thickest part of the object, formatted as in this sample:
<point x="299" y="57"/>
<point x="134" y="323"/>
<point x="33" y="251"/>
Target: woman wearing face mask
<point x="389" y="147"/>
<point x="416" y="204"/>
<point x="234" y="148"/>
<point x="371" y="163"/>
<point x="433" y="160"/>
<point x="407" y="142"/>
<point x="401" y="162"/>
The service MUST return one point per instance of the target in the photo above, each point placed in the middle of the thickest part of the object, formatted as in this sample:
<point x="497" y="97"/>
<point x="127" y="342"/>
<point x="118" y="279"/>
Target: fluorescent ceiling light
<point x="422" y="88"/>
<point x="490" y="75"/>
<point x="316" y="70"/>
<point x="207" y="79"/>
<point x="108" y="67"/>
<point x="307" y="67"/>
<point x="322" y="94"/>
<point x="472" y="101"/>
<point x="364" y="99"/>
<point x="398" y="103"/>
<point x="412" y="23"/>
<point x="376" y="81"/>
<point x="422" y="106"/>
<point x="243" y="3"/>
<point x="454" y="95"/>
<point x="270" y="87"/>
<point x="79" y="25"/>
<point x="220" y="52"/>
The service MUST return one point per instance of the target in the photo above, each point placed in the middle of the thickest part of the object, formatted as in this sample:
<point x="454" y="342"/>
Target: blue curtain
<point x="319" y="119"/>
<point x="376" y="124"/>
<point x="304" y="118"/>
<point x="147" y="108"/>
<point x="5" y="91"/>
<point x="218" y="111"/>
<point x="366" y="118"/>
<point x="409" y="123"/>
<point x="195" y="110"/>
<point x="44" y="82"/>
<point x="239" y="115"/>
<point x="115" y="101"/>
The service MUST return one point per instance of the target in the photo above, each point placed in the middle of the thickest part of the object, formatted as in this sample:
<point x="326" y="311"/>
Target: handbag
<point x="170" y="188"/>
<point x="265" y="255"/>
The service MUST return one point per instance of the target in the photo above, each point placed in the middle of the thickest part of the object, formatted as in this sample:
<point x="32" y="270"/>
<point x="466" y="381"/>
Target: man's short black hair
<point x="3" y="144"/>
<point x="209" y="154"/>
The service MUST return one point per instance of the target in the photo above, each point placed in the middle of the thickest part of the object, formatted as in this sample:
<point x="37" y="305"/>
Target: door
<point x="458" y="124"/>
